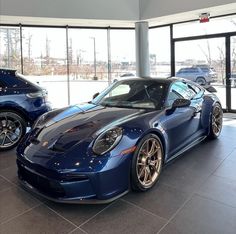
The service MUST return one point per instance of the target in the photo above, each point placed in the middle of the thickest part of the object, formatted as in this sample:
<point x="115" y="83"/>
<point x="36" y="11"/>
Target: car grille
<point x="44" y="185"/>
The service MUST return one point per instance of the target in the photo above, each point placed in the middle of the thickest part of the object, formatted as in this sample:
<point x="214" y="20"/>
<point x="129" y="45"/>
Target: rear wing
<point x="210" y="89"/>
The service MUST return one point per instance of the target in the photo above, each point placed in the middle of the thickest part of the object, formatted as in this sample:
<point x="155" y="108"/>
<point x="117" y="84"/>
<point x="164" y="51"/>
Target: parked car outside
<point x="95" y="152"/>
<point x="21" y="103"/>
<point x="196" y="74"/>
<point x="210" y="70"/>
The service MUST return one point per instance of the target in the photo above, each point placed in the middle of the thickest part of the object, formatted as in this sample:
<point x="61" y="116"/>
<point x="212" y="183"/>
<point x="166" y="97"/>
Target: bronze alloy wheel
<point x="217" y="120"/>
<point x="149" y="162"/>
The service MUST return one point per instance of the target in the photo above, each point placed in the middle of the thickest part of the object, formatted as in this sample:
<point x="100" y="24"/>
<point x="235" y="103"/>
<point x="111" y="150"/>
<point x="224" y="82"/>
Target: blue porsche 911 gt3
<point x="96" y="152"/>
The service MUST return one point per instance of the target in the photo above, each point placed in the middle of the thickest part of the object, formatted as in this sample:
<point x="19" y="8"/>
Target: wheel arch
<point x="18" y="111"/>
<point x="160" y="136"/>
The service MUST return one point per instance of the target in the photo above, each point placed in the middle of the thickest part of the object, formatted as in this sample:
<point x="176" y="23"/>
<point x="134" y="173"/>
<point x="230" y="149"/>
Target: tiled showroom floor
<point x="196" y="194"/>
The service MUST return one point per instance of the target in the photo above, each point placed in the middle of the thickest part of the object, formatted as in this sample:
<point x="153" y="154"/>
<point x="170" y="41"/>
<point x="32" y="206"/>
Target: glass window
<point x="208" y="53"/>
<point x="121" y="90"/>
<point x="88" y="58"/>
<point x="122" y="53"/>
<point x="159" y="47"/>
<point x="172" y="96"/>
<point x="216" y="25"/>
<point x="194" y="88"/>
<point x="10" y="53"/>
<point x="182" y="90"/>
<point x="45" y="61"/>
<point x="233" y="73"/>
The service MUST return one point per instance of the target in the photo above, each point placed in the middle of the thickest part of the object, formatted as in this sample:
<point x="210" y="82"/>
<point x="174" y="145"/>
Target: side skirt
<point x="197" y="141"/>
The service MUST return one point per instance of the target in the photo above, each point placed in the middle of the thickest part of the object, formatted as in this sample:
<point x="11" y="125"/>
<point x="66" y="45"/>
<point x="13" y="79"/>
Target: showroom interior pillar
<point x="142" y="49"/>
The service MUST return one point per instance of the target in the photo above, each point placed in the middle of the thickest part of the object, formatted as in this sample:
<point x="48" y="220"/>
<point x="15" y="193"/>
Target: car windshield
<point x="140" y="94"/>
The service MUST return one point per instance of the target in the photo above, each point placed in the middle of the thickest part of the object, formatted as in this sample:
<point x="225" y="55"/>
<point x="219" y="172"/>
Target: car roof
<point x="168" y="80"/>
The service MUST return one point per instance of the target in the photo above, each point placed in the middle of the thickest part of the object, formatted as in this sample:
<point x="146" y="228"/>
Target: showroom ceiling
<point x="105" y="13"/>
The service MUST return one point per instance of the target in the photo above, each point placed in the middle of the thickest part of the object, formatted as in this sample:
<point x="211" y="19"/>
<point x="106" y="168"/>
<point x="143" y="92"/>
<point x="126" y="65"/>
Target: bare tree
<point x="207" y="53"/>
<point x="221" y="62"/>
<point x="29" y="43"/>
<point x="11" y="54"/>
<point x="233" y="46"/>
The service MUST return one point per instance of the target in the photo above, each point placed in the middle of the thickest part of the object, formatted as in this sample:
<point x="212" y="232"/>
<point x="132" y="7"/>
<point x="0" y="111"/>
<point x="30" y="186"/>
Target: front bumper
<point x="33" y="190"/>
<point x="89" y="188"/>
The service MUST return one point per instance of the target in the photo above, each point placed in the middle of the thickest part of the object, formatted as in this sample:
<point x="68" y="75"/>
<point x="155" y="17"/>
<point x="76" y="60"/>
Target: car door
<point x="183" y="125"/>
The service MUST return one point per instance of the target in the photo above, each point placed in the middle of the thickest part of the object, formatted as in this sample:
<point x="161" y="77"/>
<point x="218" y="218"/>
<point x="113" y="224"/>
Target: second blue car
<point x="21" y="103"/>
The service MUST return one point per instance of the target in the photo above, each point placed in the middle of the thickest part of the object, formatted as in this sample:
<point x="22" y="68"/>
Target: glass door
<point x="203" y="61"/>
<point x="233" y="73"/>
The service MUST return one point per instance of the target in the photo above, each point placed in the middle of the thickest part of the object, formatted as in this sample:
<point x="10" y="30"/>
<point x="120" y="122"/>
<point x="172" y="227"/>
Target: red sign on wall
<point x="204" y="17"/>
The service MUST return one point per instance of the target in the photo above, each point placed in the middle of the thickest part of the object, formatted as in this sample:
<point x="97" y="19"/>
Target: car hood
<point x="78" y="125"/>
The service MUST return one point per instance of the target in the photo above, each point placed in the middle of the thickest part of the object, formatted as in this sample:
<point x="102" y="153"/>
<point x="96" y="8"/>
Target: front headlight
<point x="107" y="140"/>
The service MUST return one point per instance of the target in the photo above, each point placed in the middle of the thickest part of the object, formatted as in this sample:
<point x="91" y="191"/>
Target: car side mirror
<point x="181" y="102"/>
<point x="178" y="103"/>
<point x="95" y="95"/>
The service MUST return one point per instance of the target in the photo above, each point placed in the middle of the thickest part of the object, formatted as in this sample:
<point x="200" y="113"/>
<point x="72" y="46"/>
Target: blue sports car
<point x="21" y="103"/>
<point x="96" y="152"/>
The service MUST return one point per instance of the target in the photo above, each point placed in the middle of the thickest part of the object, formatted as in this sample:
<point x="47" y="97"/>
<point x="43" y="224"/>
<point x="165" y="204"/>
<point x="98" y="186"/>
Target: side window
<point x="198" y="92"/>
<point x="180" y="90"/>
<point x="192" y="70"/>
<point x="172" y="97"/>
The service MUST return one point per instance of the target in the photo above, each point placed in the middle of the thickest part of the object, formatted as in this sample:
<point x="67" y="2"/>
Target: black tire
<point x="12" y="129"/>
<point x="216" y="121"/>
<point x="136" y="170"/>
<point x="201" y="81"/>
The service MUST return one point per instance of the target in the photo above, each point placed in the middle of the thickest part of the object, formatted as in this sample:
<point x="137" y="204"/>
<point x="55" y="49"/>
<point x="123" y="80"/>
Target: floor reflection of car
<point x="95" y="152"/>
<point x="199" y="75"/>
<point x="21" y="103"/>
